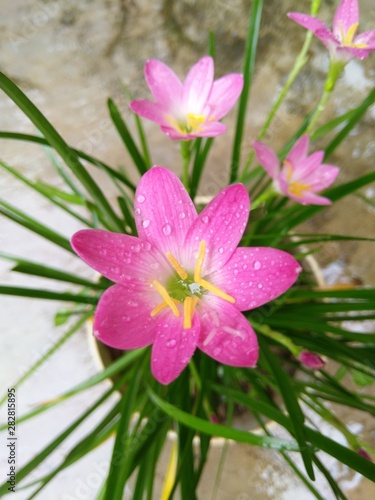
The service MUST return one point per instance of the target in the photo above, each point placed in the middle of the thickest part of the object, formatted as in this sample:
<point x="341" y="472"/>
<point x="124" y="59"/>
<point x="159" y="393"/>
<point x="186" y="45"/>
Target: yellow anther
<point x="288" y="169"/>
<point x="297" y="188"/>
<point x="158" y="308"/>
<point x="199" y="263"/>
<point x="167" y="298"/>
<point x="349" y="35"/>
<point x="189" y="307"/>
<point x="178" y="268"/>
<point x="216" y="291"/>
<point x="203" y="283"/>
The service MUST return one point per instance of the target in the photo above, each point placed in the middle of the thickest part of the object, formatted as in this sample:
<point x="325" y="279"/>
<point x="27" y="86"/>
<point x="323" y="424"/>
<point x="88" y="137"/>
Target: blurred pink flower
<point x="363" y="453"/>
<point x="341" y="41"/>
<point x="183" y="282"/>
<point x="311" y="360"/>
<point x="192" y="108"/>
<point x="301" y="176"/>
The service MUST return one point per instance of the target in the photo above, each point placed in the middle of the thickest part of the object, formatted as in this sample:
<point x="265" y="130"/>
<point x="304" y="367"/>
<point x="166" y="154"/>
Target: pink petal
<point x="311" y="360"/>
<point x="122" y="319"/>
<point x="306" y="167"/>
<point x="309" y="198"/>
<point x="367" y="37"/>
<point x="173" y="347"/>
<point x="221" y="225"/>
<point x="322" y="177"/>
<point x="315" y="25"/>
<point x="197" y="85"/>
<point x="163" y="210"/>
<point x="226" y="335"/>
<point x="208" y="129"/>
<point x="347" y="53"/>
<point x="256" y="275"/>
<point x="149" y="110"/>
<point x="164" y="84"/>
<point x="267" y="158"/>
<point x="224" y="94"/>
<point x="299" y="150"/>
<point x="121" y="258"/>
<point x="346" y="15"/>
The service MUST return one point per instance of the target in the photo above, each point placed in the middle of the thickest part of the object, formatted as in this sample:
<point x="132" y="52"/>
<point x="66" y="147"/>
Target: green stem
<point x="278" y="337"/>
<point x="268" y="194"/>
<point x="185" y="155"/>
<point x="298" y="65"/>
<point x="334" y="71"/>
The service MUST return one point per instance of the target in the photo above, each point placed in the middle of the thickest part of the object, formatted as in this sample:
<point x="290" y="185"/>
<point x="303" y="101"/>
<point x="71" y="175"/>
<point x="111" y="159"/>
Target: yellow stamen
<point x="187" y="312"/>
<point x="167" y="298"/>
<point x="216" y="291"/>
<point x="205" y="284"/>
<point x="178" y="268"/>
<point x="347" y="38"/>
<point x="288" y="169"/>
<point x="158" y="308"/>
<point x="199" y="263"/>
<point x="297" y="188"/>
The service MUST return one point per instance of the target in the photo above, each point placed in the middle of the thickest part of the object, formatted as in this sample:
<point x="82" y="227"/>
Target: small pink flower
<point x="301" y="176"/>
<point x="311" y="360"/>
<point x="183" y="282"/>
<point x="363" y="453"/>
<point x="190" y="109"/>
<point x="341" y="42"/>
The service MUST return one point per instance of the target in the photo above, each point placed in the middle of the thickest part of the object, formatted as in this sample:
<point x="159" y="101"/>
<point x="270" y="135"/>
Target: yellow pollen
<point x="188" y="125"/>
<point x="205" y="284"/>
<point x="177" y="267"/>
<point x="347" y="38"/>
<point x="167" y="298"/>
<point x="297" y="188"/>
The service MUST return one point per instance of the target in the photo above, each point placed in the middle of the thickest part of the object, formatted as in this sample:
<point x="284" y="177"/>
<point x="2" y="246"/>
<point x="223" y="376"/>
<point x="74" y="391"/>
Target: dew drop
<point x="235" y="272"/>
<point x="136" y="247"/>
<point x="257" y="265"/>
<point x="126" y="318"/>
<point x="171" y="343"/>
<point x="146" y="223"/>
<point x="140" y="198"/>
<point x="132" y="303"/>
<point x="250" y="283"/>
<point x="166" y="229"/>
<point x="221" y="250"/>
<point x="217" y="351"/>
<point x="182" y="215"/>
<point x="103" y="251"/>
<point x="205" y="219"/>
<point x="260" y="285"/>
<point x="137" y="211"/>
<point x="244" y="267"/>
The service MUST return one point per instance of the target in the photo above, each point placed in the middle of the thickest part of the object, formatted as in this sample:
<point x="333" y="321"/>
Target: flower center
<point x="191" y="124"/>
<point x="186" y="289"/>
<point x="347" y="38"/>
<point x="295" y="188"/>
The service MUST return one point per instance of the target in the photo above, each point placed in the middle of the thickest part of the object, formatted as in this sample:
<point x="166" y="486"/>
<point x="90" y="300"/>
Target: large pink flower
<point x="190" y="109"/>
<point x="301" y="176"/>
<point x="183" y="282"/>
<point x="341" y="41"/>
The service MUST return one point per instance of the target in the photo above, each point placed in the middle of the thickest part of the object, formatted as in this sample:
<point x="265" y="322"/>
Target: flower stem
<point x="334" y="71"/>
<point x="278" y="337"/>
<point x="269" y="193"/>
<point x="185" y="155"/>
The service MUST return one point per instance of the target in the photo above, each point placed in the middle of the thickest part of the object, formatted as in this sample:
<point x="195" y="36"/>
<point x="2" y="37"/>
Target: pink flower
<point x="301" y="176"/>
<point x="341" y="42"/>
<point x="190" y="109"/>
<point x="182" y="283"/>
<point x="311" y="360"/>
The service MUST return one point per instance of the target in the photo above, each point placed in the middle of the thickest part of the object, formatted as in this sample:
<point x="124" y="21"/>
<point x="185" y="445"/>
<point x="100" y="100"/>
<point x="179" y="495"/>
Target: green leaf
<point x="296" y="415"/>
<point x="57" y="142"/>
<point x="361" y="379"/>
<point x="32" y="224"/>
<point x="220" y="430"/>
<point x="126" y="137"/>
<point x="248" y="69"/>
<point x="47" y="294"/>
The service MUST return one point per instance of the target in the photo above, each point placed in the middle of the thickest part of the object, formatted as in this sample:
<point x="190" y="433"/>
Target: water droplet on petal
<point x="140" y="198"/>
<point x="260" y="285"/>
<point x="126" y="318"/>
<point x="221" y="250"/>
<point x="182" y="215"/>
<point x="103" y="251"/>
<point x="235" y="272"/>
<point x="217" y="351"/>
<point x="205" y="219"/>
<point x="250" y="283"/>
<point x="171" y="343"/>
<point x="136" y="247"/>
<point x="257" y="265"/>
<point x="166" y="229"/>
<point x="146" y="223"/>
<point x="137" y="211"/>
<point x="244" y="267"/>
<point x="132" y="303"/>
